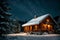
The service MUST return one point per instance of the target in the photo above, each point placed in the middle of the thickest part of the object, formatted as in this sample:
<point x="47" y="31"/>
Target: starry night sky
<point x="26" y="9"/>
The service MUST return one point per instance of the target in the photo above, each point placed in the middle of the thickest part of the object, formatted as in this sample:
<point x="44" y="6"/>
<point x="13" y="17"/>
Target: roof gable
<point x="36" y="20"/>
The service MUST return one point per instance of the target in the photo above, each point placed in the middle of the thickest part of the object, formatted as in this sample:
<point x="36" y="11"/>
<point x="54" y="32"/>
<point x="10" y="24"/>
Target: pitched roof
<point x="36" y="20"/>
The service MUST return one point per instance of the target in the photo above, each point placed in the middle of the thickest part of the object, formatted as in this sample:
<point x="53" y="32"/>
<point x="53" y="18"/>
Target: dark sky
<point x="26" y="9"/>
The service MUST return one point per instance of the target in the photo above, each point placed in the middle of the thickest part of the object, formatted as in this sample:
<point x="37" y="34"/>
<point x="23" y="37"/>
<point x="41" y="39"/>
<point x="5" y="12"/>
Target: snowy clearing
<point x="26" y="34"/>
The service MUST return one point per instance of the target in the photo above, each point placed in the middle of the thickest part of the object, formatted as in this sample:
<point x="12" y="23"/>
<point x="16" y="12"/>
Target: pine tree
<point x="16" y="27"/>
<point x="4" y="17"/>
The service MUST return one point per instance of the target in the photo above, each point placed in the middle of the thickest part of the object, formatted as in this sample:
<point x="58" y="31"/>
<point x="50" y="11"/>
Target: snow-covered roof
<point x="36" y="20"/>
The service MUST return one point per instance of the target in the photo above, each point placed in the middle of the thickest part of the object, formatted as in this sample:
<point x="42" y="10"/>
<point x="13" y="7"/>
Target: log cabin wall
<point x="33" y="28"/>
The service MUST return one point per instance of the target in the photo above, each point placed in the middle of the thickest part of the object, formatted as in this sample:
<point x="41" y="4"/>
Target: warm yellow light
<point x="45" y="25"/>
<point x="49" y="25"/>
<point x="30" y="28"/>
<point x="47" y="20"/>
<point x="35" y="27"/>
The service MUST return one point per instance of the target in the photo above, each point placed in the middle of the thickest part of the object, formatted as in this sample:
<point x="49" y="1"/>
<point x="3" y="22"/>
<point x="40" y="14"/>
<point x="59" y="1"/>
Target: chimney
<point x="35" y="16"/>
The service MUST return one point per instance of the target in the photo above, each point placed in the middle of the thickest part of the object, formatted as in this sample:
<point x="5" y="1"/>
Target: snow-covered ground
<point x="25" y="36"/>
<point x="17" y="34"/>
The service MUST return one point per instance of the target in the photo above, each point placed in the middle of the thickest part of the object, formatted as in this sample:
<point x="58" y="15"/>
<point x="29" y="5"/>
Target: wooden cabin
<point x="43" y="23"/>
